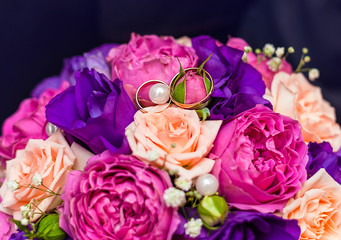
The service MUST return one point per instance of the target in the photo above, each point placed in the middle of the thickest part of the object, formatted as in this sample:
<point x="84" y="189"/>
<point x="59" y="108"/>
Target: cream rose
<point x="294" y="96"/>
<point x="317" y="207"/>
<point x="174" y="138"/>
<point x="51" y="160"/>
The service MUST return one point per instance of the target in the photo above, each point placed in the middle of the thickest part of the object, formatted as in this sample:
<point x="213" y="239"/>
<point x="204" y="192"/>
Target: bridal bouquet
<point x="165" y="138"/>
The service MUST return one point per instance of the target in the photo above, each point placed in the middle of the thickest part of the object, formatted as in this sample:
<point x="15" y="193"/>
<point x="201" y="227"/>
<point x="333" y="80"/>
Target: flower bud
<point x="213" y="210"/>
<point x="291" y="50"/>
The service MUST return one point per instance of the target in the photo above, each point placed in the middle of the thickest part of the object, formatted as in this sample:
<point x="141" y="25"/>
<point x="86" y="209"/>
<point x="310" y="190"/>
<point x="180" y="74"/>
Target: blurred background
<point x="37" y="35"/>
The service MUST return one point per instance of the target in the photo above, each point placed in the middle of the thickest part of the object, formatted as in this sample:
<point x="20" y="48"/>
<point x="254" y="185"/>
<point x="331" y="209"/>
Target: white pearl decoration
<point x="159" y="93"/>
<point x="51" y="129"/>
<point x="207" y="184"/>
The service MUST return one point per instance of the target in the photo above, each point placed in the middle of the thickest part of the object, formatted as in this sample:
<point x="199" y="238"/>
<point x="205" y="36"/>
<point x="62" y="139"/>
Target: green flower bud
<point x="213" y="210"/>
<point x="49" y="228"/>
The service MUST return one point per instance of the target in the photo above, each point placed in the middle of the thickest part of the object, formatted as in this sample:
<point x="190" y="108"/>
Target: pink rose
<point x="52" y="160"/>
<point x="261" y="66"/>
<point x="177" y="137"/>
<point x="293" y="96"/>
<point x="260" y="160"/>
<point x="117" y="197"/>
<point x="317" y="207"/>
<point x="149" y="57"/>
<point x="27" y="123"/>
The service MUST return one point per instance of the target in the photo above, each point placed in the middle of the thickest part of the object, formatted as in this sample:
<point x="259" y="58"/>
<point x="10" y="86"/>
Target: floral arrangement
<point x="165" y="138"/>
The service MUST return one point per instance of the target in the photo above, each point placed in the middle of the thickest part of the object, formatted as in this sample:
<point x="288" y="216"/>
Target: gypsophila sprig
<point x="37" y="179"/>
<point x="314" y="73"/>
<point x="174" y="197"/>
<point x="193" y="227"/>
<point x="280" y="51"/>
<point x="183" y="183"/>
<point x="274" y="64"/>
<point x="25" y="210"/>
<point x="269" y="50"/>
<point x="13" y="185"/>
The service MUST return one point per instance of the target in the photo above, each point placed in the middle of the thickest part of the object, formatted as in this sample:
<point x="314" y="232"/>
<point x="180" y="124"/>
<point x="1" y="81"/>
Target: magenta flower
<point x="117" y="197"/>
<point x="149" y="57"/>
<point x="28" y="122"/>
<point x="260" y="160"/>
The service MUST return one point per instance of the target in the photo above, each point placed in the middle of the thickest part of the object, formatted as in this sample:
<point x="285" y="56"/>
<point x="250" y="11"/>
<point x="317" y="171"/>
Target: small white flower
<point x="314" y="73"/>
<point x="37" y="179"/>
<point x="13" y="185"/>
<point x="305" y="50"/>
<point x="291" y="50"/>
<point x="24" y="221"/>
<point x="193" y="227"/>
<point x="274" y="64"/>
<point x="25" y="210"/>
<point x="183" y="183"/>
<point x="269" y="50"/>
<point x="174" y="197"/>
<point x="280" y="51"/>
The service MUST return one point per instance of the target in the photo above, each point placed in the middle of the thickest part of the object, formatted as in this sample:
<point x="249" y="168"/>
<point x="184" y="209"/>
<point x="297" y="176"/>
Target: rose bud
<point x="213" y="210"/>
<point x="192" y="85"/>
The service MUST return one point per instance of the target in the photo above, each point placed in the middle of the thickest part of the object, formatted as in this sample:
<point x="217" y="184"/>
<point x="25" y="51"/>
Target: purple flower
<point x="256" y="226"/>
<point x="321" y="155"/>
<point x="238" y="86"/>
<point x="18" y="236"/>
<point x="117" y="197"/>
<point x="93" y="59"/>
<point x="95" y="110"/>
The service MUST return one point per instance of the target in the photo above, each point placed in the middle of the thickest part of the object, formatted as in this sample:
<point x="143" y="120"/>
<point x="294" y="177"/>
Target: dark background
<point x="36" y="35"/>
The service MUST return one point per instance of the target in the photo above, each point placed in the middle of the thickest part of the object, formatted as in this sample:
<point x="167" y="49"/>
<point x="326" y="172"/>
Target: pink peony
<point x="6" y="226"/>
<point x="261" y="66"/>
<point x="149" y="57"/>
<point x="260" y="160"/>
<point x="27" y="123"/>
<point x="117" y="197"/>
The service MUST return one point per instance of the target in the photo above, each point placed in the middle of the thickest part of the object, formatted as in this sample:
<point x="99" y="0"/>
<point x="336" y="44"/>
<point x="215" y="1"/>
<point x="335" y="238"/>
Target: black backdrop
<point x="36" y="35"/>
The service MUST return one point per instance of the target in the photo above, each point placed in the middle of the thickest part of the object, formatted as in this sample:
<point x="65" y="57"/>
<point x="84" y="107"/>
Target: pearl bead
<point x="207" y="184"/>
<point x="50" y="129"/>
<point x="159" y="93"/>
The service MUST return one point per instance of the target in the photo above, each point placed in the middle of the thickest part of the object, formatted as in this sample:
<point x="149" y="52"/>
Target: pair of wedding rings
<point x="162" y="94"/>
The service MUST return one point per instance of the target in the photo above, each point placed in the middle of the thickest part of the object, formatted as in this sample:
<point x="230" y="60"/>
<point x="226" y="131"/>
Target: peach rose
<point x="294" y="96"/>
<point x="174" y="138"/>
<point x="317" y="207"/>
<point x="52" y="159"/>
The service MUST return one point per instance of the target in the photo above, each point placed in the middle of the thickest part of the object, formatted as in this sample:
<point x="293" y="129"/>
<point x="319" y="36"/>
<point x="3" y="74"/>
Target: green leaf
<point x="49" y="228"/>
<point x="203" y="113"/>
<point x="199" y="70"/>
<point x="179" y="92"/>
<point x="181" y="71"/>
<point x="207" y="83"/>
<point x="20" y="226"/>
